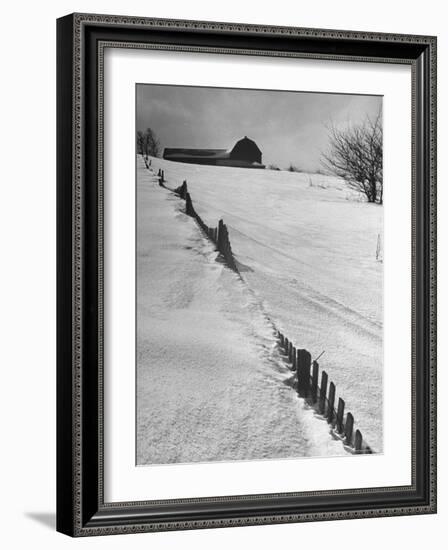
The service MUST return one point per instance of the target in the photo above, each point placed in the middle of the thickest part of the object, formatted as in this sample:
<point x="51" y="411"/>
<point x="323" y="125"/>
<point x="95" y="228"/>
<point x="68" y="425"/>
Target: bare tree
<point x="148" y="143"/>
<point x="152" y="143"/>
<point x="356" y="155"/>
<point x="140" y="143"/>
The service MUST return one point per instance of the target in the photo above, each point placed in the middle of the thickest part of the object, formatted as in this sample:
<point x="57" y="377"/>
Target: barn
<point x="247" y="150"/>
<point x="244" y="154"/>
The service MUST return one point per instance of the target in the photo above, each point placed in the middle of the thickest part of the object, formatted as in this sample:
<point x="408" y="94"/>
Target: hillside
<point x="210" y="382"/>
<point x="306" y="246"/>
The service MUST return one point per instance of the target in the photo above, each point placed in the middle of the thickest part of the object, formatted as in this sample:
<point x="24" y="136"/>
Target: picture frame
<point x="81" y="506"/>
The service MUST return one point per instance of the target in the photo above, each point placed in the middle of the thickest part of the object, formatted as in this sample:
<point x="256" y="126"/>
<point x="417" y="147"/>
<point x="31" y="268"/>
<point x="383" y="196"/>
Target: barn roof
<point x="244" y="143"/>
<point x="196" y="153"/>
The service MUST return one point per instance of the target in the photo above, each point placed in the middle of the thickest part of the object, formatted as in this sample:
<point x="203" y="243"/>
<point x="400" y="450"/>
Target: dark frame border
<point x="81" y="39"/>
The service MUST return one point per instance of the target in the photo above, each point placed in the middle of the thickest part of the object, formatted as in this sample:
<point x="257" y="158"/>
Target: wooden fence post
<point x="189" y="206"/>
<point x="340" y="415"/>
<point x="323" y="392"/>
<point x="294" y="359"/>
<point x="228" y="254"/>
<point x="349" y="428"/>
<point x="286" y="346"/>
<point x="225" y="242"/>
<point x="220" y="234"/>
<point x="299" y="361"/>
<point x="358" y="441"/>
<point x="331" y="397"/>
<point x="314" y="380"/>
<point x="303" y="372"/>
<point x="182" y="190"/>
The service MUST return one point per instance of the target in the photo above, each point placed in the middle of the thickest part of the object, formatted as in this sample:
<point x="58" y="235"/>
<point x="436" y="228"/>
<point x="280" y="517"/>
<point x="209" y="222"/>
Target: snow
<point x="306" y="247"/>
<point x="211" y="385"/>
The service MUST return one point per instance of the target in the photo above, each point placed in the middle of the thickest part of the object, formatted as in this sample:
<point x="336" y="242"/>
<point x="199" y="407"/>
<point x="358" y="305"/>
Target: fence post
<point x="303" y="372"/>
<point x="358" y="441"/>
<point x="340" y="415"/>
<point x="182" y="190"/>
<point x="299" y="372"/>
<point x="349" y="428"/>
<point x="220" y="234"/>
<point x="223" y="248"/>
<point x="225" y="242"/>
<point x="314" y="380"/>
<point x="294" y="359"/>
<point x="227" y="249"/>
<point x="188" y="205"/>
<point x="323" y="391"/>
<point x="286" y="346"/>
<point x="331" y="397"/>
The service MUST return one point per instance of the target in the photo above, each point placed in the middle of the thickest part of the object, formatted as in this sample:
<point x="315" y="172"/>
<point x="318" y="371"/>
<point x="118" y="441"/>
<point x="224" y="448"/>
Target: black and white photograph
<point x="259" y="274"/>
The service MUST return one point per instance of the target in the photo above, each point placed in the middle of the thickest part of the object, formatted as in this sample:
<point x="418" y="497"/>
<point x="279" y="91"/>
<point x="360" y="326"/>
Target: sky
<point x="288" y="127"/>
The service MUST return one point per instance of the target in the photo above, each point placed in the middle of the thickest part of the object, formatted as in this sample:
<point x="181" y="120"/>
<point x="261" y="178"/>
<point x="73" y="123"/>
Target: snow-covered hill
<point x="211" y="385"/>
<point x="306" y="245"/>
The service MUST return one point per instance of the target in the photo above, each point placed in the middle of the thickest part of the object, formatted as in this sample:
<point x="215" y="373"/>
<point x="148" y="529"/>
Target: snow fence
<point x="308" y="387"/>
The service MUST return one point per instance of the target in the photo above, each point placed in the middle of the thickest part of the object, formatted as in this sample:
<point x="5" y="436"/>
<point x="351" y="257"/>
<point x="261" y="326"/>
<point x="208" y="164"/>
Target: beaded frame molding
<point x="81" y="40"/>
